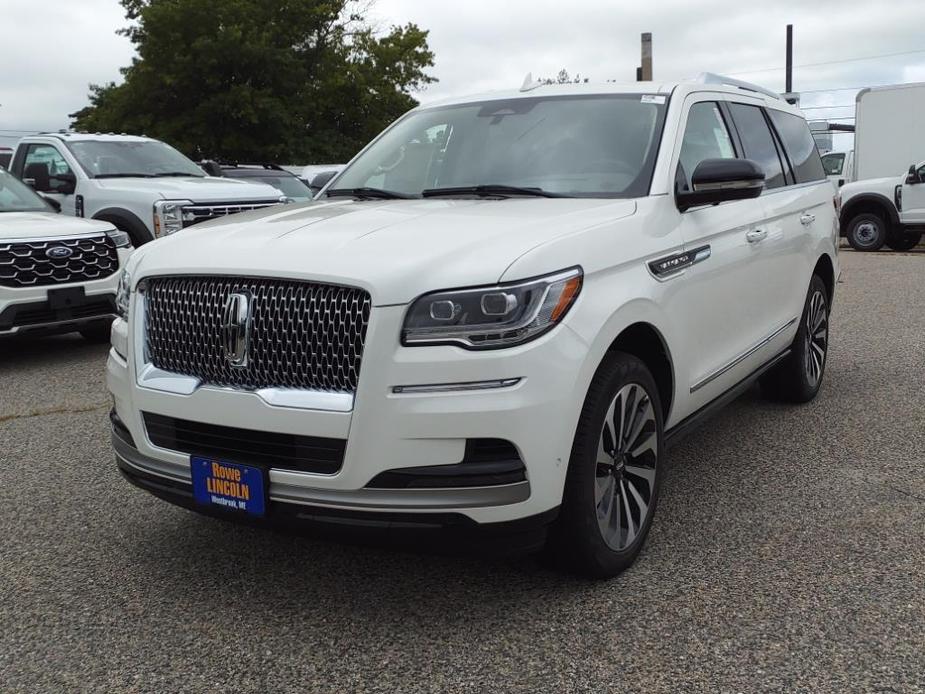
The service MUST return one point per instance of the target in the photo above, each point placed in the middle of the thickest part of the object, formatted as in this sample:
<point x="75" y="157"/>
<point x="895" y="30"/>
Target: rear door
<point x="799" y="214"/>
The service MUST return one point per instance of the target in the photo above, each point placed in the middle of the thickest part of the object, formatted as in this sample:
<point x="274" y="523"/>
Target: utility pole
<point x="789" y="96"/>
<point x="644" y="72"/>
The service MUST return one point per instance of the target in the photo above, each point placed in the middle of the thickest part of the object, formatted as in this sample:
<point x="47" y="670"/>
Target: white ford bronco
<point x="494" y="320"/>
<point x="142" y="186"/>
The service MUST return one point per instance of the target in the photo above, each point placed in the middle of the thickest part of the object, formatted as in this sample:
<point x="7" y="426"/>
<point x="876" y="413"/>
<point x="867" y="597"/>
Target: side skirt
<point x="691" y="422"/>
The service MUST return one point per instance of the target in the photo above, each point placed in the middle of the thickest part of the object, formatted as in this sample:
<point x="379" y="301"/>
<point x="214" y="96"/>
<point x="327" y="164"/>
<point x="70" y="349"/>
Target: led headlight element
<point x="494" y="316"/>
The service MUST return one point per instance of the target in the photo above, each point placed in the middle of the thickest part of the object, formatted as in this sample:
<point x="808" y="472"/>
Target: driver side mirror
<point x="913" y="176"/>
<point x="321" y="180"/>
<point x="719" y="180"/>
<point x="66" y="183"/>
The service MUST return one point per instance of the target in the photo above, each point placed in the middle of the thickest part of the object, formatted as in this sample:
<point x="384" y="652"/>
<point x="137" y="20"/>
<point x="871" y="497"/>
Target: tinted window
<point x="800" y="146"/>
<point x="705" y="137"/>
<point x="758" y="142"/>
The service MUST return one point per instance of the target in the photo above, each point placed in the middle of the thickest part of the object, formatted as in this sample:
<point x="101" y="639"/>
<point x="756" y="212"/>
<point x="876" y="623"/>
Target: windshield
<point x="111" y="158"/>
<point x="16" y="196"/>
<point x="582" y="146"/>
<point x="833" y="163"/>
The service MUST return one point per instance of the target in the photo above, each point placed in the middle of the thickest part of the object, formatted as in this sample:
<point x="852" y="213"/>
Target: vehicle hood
<point x="205" y="189"/>
<point x="884" y="186"/>
<point x="396" y="249"/>
<point x="34" y="225"/>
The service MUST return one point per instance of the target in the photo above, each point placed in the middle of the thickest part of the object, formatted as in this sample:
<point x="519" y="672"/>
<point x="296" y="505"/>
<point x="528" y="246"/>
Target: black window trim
<point x="784" y="164"/>
<point x="781" y="148"/>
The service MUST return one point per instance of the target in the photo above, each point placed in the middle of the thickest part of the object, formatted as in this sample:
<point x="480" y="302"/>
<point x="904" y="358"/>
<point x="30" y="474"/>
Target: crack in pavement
<point x="53" y="410"/>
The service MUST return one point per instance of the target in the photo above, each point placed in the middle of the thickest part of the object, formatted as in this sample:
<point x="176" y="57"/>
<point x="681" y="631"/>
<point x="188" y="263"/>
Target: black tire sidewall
<point x="858" y="221"/>
<point x="578" y="527"/>
<point x="806" y="390"/>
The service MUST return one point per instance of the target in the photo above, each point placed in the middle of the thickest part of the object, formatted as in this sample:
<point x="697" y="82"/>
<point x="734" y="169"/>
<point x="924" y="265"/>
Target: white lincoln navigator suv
<point x="495" y="319"/>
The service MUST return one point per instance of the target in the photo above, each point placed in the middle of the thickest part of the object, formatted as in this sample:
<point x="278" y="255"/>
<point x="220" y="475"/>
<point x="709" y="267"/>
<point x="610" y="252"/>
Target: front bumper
<point x="386" y="430"/>
<point x="59" y="308"/>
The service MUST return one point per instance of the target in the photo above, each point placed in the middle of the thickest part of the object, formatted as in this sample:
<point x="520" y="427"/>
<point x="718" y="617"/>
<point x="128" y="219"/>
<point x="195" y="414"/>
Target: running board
<point x="690" y="423"/>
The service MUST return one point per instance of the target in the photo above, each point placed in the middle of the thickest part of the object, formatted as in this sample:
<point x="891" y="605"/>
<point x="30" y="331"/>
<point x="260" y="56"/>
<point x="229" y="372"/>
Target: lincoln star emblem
<point x="236" y="329"/>
<point x="59" y="252"/>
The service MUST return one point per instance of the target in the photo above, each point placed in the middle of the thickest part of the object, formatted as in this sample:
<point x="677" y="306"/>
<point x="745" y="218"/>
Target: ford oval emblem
<point x="59" y="252"/>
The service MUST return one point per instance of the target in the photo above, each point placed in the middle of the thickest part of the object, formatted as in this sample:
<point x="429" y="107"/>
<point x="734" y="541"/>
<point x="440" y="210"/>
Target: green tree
<point x="283" y="80"/>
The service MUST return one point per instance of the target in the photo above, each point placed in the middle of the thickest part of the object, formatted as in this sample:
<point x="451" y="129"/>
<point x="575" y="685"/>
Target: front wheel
<point x="613" y="478"/>
<point x="798" y="377"/>
<point x="867" y="232"/>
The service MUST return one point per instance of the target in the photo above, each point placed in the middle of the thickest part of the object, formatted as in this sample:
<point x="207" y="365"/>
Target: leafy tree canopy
<point x="258" y="80"/>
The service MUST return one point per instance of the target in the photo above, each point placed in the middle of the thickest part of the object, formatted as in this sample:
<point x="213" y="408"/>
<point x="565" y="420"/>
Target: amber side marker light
<point x="566" y="298"/>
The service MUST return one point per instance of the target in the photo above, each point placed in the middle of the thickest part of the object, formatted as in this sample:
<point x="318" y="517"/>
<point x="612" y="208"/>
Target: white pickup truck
<point x="887" y="211"/>
<point x="142" y="186"/>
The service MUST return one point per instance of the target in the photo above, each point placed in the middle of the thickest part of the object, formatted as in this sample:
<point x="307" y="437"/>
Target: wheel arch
<point x="646" y="342"/>
<point x="127" y="222"/>
<point x="868" y="202"/>
<point x="825" y="268"/>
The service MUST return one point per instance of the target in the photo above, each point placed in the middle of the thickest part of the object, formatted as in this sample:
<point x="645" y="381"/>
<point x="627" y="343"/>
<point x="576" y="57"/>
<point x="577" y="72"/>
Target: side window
<point x="833" y="163"/>
<point x="758" y="142"/>
<point x="42" y="163"/>
<point x="800" y="146"/>
<point x="705" y="137"/>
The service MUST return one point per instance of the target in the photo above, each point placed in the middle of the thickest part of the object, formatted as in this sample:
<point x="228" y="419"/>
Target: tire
<point x="867" y="232"/>
<point x="904" y="240"/>
<point x="798" y="378"/>
<point x="609" y="501"/>
<point x="97" y="333"/>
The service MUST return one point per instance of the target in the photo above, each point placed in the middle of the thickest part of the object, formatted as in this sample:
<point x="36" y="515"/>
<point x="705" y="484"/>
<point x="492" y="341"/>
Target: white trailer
<point x="889" y="130"/>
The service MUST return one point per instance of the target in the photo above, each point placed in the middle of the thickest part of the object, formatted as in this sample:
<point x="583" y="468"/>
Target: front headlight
<point x="490" y="317"/>
<point x="123" y="294"/>
<point x="168" y="216"/>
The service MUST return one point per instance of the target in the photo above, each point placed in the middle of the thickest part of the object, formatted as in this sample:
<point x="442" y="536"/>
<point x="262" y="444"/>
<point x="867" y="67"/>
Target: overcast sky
<point x="51" y="51"/>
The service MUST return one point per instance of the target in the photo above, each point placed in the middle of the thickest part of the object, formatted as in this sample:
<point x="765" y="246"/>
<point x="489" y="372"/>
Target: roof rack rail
<point x="713" y="78"/>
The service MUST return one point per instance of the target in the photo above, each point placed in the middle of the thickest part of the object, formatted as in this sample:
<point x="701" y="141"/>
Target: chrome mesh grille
<point x="28" y="263"/>
<point x="304" y="335"/>
<point x="193" y="214"/>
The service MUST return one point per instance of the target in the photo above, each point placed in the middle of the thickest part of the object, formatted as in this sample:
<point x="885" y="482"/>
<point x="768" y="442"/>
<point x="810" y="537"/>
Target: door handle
<point x="806" y="219"/>
<point x="756" y="235"/>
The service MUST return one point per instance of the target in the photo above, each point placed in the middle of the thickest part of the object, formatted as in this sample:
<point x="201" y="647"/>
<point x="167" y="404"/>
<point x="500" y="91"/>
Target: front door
<point x="913" y="198"/>
<point x="718" y="308"/>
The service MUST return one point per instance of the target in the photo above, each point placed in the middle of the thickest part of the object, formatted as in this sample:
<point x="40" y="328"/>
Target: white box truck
<point x="886" y="202"/>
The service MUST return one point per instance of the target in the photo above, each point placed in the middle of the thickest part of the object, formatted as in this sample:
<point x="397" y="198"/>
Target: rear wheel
<point x="904" y="240"/>
<point x="798" y="377"/>
<point x="613" y="479"/>
<point x="867" y="232"/>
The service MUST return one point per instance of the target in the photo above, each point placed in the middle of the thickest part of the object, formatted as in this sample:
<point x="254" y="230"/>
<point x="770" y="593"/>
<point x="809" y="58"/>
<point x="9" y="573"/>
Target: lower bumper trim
<point x="415" y="499"/>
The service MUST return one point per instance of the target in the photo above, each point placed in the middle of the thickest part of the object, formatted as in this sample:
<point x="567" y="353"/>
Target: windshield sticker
<point x="653" y="99"/>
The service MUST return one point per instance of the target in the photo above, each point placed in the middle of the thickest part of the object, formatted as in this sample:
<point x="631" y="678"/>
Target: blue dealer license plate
<point x="227" y="485"/>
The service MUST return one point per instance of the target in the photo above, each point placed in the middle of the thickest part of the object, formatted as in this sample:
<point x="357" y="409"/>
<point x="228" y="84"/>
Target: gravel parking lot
<point x="788" y="555"/>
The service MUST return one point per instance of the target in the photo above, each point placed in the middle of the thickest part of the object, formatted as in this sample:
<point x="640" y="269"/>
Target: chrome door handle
<point x="756" y="235"/>
<point x="806" y="218"/>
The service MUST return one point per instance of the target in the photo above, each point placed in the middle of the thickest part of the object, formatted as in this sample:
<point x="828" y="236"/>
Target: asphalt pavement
<point x="788" y="554"/>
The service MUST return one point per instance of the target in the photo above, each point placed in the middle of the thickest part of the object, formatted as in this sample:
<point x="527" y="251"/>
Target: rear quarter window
<point x="800" y="146"/>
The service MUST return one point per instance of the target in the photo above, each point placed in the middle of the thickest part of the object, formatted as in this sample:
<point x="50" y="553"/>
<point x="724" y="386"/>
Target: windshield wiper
<point x="124" y="175"/>
<point x="489" y="190"/>
<point x="178" y="173"/>
<point x="368" y="193"/>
